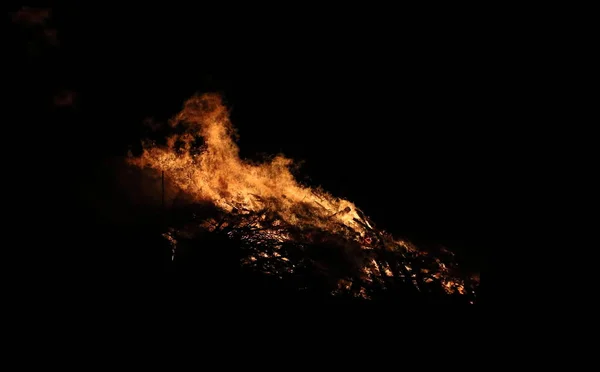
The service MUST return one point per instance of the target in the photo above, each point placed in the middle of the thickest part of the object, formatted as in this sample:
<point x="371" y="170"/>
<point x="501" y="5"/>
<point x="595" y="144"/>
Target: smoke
<point x="38" y="21"/>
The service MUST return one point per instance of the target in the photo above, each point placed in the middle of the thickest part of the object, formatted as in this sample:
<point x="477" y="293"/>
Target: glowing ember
<point x="266" y="207"/>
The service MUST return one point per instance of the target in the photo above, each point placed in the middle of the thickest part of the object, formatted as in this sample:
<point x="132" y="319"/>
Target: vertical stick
<point x="162" y="181"/>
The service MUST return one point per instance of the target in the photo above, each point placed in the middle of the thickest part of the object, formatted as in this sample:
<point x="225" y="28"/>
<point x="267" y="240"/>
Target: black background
<point x="392" y="110"/>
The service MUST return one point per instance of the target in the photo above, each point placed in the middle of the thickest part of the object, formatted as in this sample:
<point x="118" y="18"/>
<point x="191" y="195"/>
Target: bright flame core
<point x="217" y="174"/>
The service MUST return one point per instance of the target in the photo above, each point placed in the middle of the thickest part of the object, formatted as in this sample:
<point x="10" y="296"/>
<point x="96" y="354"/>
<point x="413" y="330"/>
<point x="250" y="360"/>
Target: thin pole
<point x="162" y="181"/>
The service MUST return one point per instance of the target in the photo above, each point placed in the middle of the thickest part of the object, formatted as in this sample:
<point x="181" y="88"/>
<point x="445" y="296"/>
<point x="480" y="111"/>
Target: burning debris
<point x="283" y="229"/>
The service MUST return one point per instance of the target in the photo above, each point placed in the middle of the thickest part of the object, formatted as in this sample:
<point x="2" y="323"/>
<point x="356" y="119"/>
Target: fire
<point x="266" y="203"/>
<point x="217" y="174"/>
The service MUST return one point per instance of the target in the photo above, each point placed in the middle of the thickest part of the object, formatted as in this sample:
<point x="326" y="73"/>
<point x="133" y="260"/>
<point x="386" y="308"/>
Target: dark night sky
<point x="395" y="117"/>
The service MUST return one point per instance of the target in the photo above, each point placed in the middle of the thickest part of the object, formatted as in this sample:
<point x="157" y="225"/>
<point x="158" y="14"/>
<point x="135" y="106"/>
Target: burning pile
<point x="285" y="228"/>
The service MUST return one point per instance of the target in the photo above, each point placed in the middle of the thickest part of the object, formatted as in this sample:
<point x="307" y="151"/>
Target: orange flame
<point x="215" y="173"/>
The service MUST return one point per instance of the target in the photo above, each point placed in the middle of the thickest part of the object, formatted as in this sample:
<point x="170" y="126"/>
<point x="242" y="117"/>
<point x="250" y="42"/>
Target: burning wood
<point x="284" y="229"/>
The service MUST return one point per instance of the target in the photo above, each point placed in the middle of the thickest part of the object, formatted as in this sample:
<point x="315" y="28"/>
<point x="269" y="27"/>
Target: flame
<point x="218" y="175"/>
<point x="202" y="160"/>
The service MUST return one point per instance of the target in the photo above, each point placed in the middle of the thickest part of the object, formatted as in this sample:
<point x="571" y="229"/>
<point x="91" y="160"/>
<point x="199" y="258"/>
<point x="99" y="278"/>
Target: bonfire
<point x="285" y="228"/>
